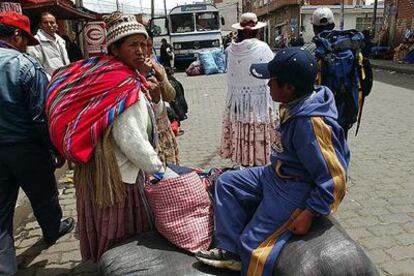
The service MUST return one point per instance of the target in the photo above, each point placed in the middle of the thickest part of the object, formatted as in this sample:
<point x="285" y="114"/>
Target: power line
<point x="97" y="2"/>
<point x="112" y="5"/>
<point x="107" y="6"/>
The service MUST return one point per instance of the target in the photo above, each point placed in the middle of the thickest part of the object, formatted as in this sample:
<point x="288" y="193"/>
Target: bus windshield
<point x="182" y="23"/>
<point x="207" y="21"/>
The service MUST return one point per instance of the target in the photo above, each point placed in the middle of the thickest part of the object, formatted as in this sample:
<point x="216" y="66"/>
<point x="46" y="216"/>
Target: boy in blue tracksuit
<point x="258" y="209"/>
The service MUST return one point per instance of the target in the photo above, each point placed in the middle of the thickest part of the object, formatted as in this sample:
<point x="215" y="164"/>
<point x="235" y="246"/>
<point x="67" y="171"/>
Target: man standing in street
<point x="342" y="66"/>
<point x="27" y="158"/>
<point x="51" y="51"/>
<point x="166" y="54"/>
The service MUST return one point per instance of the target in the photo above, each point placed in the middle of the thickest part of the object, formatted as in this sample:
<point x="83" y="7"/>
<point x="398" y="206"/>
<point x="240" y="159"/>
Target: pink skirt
<point x="247" y="144"/>
<point x="100" y="228"/>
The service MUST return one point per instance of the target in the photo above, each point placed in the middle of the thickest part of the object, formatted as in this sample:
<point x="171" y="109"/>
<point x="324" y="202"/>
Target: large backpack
<point x="345" y="71"/>
<point x="179" y="105"/>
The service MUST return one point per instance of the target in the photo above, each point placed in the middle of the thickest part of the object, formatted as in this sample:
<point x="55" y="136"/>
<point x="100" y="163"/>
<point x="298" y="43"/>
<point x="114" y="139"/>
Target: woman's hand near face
<point x="159" y="71"/>
<point x="145" y="67"/>
<point x="154" y="89"/>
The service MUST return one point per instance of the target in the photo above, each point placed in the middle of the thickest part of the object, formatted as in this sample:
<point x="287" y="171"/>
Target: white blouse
<point x="131" y="132"/>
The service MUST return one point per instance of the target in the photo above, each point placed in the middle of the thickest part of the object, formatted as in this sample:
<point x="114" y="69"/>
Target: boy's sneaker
<point x="220" y="258"/>
<point x="65" y="227"/>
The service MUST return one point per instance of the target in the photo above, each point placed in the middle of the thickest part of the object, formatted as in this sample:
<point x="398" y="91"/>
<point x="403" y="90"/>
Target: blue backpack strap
<point x="323" y="46"/>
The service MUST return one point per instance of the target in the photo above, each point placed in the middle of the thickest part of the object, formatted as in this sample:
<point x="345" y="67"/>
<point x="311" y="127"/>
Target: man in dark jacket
<point x="166" y="54"/>
<point x="27" y="158"/>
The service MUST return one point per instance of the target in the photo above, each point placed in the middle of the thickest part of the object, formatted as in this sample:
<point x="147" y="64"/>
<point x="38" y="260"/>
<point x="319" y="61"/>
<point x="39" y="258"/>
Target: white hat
<point x="322" y="16"/>
<point x="119" y="25"/>
<point x="248" y="20"/>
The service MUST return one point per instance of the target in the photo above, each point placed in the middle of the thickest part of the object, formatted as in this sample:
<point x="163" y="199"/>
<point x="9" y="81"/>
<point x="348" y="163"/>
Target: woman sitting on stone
<point x="100" y="117"/>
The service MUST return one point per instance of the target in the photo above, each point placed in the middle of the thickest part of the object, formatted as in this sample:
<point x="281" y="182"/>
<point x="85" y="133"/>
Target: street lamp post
<point x="341" y="26"/>
<point x="374" y="18"/>
<point x="152" y="9"/>
<point x="165" y="8"/>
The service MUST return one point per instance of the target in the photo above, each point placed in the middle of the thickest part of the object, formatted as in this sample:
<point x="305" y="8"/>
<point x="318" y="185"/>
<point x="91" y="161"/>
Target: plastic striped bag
<point x="183" y="211"/>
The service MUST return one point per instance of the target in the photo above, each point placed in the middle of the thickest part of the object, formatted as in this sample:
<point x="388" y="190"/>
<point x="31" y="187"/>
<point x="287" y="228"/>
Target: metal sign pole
<point x="341" y="26"/>
<point x="374" y="18"/>
<point x="165" y="8"/>
<point x="152" y="9"/>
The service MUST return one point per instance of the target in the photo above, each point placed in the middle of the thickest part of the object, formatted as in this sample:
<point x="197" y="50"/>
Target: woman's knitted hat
<point x="119" y="25"/>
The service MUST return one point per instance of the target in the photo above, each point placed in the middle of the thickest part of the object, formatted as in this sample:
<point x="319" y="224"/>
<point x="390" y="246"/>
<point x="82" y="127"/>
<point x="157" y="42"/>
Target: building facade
<point x="333" y="2"/>
<point x="399" y="20"/>
<point x="230" y="11"/>
<point x="356" y="16"/>
<point x="282" y="17"/>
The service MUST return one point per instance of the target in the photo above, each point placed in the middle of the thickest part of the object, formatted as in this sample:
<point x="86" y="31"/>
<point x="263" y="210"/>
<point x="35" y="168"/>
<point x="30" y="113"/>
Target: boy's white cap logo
<point x="257" y="74"/>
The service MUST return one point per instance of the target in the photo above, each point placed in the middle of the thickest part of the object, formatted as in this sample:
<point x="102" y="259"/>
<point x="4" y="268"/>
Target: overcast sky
<point x="138" y="6"/>
<point x="132" y="6"/>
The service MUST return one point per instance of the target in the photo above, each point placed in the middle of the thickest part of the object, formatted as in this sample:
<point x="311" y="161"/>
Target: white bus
<point x="189" y="29"/>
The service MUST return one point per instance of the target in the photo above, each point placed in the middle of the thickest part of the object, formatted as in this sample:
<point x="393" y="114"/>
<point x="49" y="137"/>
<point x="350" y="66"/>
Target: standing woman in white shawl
<point x="249" y="119"/>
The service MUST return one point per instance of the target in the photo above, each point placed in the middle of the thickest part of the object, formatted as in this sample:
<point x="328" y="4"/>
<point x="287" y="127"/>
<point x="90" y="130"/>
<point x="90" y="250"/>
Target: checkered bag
<point x="182" y="210"/>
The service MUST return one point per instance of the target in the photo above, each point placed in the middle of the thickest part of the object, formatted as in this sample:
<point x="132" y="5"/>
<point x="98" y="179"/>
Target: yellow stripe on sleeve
<point x="324" y="137"/>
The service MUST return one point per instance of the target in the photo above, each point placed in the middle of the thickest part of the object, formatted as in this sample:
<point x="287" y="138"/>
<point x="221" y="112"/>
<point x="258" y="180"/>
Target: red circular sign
<point x="95" y="33"/>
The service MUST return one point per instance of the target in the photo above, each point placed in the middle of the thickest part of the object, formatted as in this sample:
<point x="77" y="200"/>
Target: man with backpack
<point x="342" y="67"/>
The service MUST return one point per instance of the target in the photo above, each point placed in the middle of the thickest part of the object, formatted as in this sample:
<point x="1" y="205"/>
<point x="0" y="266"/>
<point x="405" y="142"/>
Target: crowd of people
<point x="108" y="115"/>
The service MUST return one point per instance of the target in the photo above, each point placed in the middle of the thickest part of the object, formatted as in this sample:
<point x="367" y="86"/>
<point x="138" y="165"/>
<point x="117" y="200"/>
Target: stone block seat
<point x="325" y="250"/>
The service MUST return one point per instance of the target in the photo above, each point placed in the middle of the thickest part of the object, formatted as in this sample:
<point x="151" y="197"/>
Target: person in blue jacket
<point x="27" y="157"/>
<point x="258" y="209"/>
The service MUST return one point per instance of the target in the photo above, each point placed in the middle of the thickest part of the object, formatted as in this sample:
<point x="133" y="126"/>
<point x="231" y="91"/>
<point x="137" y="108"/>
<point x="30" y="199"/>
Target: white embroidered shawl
<point x="248" y="98"/>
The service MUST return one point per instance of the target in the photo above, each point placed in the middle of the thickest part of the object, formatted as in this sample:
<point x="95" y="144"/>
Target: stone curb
<point x="407" y="69"/>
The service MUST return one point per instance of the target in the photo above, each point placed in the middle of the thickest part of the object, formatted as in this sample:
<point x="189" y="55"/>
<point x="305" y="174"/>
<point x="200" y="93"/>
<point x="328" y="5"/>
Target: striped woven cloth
<point x="84" y="98"/>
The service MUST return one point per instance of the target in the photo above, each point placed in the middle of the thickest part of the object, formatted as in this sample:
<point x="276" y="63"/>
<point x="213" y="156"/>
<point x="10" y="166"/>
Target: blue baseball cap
<point x="295" y="65"/>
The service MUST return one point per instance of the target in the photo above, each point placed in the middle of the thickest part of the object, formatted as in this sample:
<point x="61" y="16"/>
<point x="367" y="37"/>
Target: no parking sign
<point x="95" y="37"/>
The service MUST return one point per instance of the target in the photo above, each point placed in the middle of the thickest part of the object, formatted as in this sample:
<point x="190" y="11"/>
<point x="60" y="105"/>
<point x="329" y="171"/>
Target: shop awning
<point x="62" y="9"/>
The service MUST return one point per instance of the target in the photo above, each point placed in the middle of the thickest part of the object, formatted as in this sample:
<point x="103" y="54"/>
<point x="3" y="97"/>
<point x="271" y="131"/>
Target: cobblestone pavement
<point x="378" y="210"/>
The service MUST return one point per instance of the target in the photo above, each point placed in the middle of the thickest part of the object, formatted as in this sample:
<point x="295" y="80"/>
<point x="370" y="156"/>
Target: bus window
<point x="182" y="23"/>
<point x="159" y="26"/>
<point x="207" y="21"/>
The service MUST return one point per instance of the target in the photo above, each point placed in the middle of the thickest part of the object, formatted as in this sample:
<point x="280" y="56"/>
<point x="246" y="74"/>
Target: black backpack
<point x="179" y="105"/>
<point x="172" y="116"/>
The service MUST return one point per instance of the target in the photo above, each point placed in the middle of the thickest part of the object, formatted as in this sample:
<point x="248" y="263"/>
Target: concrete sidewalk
<point x="392" y="66"/>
